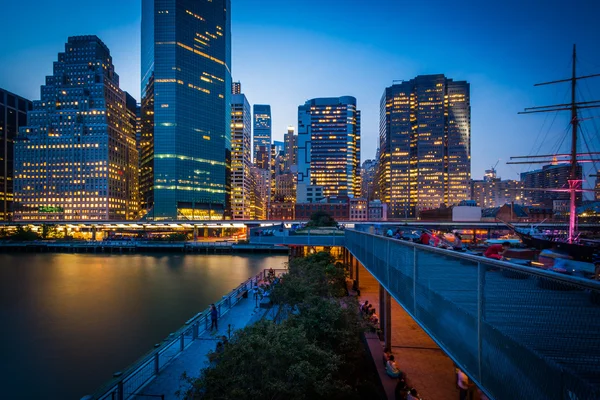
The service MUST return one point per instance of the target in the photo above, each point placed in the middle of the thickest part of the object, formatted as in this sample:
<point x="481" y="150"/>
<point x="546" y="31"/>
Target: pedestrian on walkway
<point x="363" y="306"/>
<point x="462" y="381"/>
<point x="391" y="368"/>
<point x="374" y="318"/>
<point x="213" y="317"/>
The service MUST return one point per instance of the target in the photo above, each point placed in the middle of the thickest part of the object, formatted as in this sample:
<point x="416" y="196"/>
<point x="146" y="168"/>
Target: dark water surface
<point x="68" y="321"/>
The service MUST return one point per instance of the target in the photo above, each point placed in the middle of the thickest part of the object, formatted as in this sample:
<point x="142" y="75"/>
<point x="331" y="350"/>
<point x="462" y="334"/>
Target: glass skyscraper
<point x="77" y="159"/>
<point x="425" y="144"/>
<point x="261" y="143"/>
<point x="13" y="114"/>
<point x="186" y="108"/>
<point x="329" y="146"/>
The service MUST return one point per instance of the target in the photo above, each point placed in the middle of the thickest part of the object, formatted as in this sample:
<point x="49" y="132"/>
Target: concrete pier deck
<point x="194" y="358"/>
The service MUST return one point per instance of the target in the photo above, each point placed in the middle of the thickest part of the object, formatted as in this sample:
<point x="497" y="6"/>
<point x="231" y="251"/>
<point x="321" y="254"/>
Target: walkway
<point x="193" y="358"/>
<point x="427" y="367"/>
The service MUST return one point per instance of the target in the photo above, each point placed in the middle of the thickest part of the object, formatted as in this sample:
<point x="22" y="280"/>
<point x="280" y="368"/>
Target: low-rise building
<point x="282" y="211"/>
<point x="377" y="211"/>
<point x="308" y="193"/>
<point x="517" y="213"/>
<point x="359" y="209"/>
<point x="339" y="211"/>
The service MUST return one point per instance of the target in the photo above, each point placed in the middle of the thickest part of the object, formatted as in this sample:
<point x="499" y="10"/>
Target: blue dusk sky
<point x="288" y="51"/>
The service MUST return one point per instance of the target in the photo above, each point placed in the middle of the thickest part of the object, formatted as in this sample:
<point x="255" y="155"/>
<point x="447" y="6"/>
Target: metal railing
<point x="518" y="332"/>
<point x="127" y="383"/>
<point x="300" y="240"/>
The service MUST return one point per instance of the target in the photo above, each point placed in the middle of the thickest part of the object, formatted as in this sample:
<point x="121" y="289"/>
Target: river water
<point x="68" y="321"/>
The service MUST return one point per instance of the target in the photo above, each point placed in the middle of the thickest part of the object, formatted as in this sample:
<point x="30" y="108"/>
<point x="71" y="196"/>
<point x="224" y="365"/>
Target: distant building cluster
<point x="195" y="148"/>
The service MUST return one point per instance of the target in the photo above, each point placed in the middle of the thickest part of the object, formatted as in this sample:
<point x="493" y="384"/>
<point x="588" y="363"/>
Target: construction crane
<point x="495" y="165"/>
<point x="490" y="174"/>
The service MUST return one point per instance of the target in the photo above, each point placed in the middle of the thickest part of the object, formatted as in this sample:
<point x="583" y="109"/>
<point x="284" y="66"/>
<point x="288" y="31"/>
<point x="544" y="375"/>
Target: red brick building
<point x="282" y="211"/>
<point x="339" y="211"/>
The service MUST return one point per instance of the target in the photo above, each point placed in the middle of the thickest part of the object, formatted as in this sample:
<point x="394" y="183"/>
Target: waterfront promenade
<point x="194" y="358"/>
<point x="158" y="373"/>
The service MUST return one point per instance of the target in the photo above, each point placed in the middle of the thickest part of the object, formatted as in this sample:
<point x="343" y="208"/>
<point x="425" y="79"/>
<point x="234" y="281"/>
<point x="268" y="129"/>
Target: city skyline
<point x="501" y="52"/>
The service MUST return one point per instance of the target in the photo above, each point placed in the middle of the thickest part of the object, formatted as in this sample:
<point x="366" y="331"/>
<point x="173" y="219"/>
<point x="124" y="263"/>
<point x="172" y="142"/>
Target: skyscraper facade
<point x="241" y="132"/>
<point x="367" y="175"/>
<point x="290" y="148"/>
<point x="425" y="144"/>
<point x="261" y="187"/>
<point x="13" y="114"/>
<point x="77" y="159"/>
<point x="236" y="88"/>
<point x="261" y="143"/>
<point x="186" y="108"/>
<point x="553" y="176"/>
<point x="329" y="146"/>
<point x="495" y="192"/>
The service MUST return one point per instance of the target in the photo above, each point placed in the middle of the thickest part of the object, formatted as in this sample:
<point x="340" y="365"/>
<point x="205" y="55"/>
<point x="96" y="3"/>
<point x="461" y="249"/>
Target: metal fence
<point x="125" y="384"/>
<point x="518" y="332"/>
<point x="300" y="240"/>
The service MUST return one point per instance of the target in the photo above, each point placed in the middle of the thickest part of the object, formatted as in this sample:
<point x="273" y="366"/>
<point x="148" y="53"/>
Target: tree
<point x="316" y="275"/>
<point x="315" y="353"/>
<point x="24" y="234"/>
<point x="320" y="219"/>
<point x="50" y="232"/>
<point x="269" y="361"/>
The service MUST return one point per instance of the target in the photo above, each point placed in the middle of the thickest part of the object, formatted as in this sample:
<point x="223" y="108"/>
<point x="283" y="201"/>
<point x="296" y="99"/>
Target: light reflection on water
<point x="70" y="320"/>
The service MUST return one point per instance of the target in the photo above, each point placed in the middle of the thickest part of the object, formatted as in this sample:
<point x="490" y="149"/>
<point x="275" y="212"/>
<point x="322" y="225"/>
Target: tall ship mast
<point x="573" y="245"/>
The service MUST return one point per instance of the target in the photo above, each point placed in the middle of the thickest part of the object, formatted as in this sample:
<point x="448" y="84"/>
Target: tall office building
<point x="290" y="148"/>
<point x="425" y="144"/>
<point x="554" y="176"/>
<point x="186" y="108"/>
<point x="277" y="158"/>
<point x="368" y="185"/>
<point x="494" y="192"/>
<point x="13" y="114"/>
<point x="261" y="142"/>
<point x="133" y="189"/>
<point x="329" y="147"/>
<point x="241" y="147"/>
<point x="285" y="188"/>
<point x="260" y="193"/>
<point x="77" y="159"/>
<point x="236" y="88"/>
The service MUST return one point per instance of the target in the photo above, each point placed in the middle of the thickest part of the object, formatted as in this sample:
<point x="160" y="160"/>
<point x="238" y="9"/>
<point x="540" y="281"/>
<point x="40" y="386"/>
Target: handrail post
<point x="480" y="311"/>
<point x="387" y="264"/>
<point x="181" y="342"/>
<point x="120" y="390"/>
<point x="195" y="330"/>
<point x="415" y="273"/>
<point x="156" y="355"/>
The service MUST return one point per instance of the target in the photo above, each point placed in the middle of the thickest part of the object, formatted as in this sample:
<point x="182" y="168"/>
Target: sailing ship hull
<point x="578" y="252"/>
